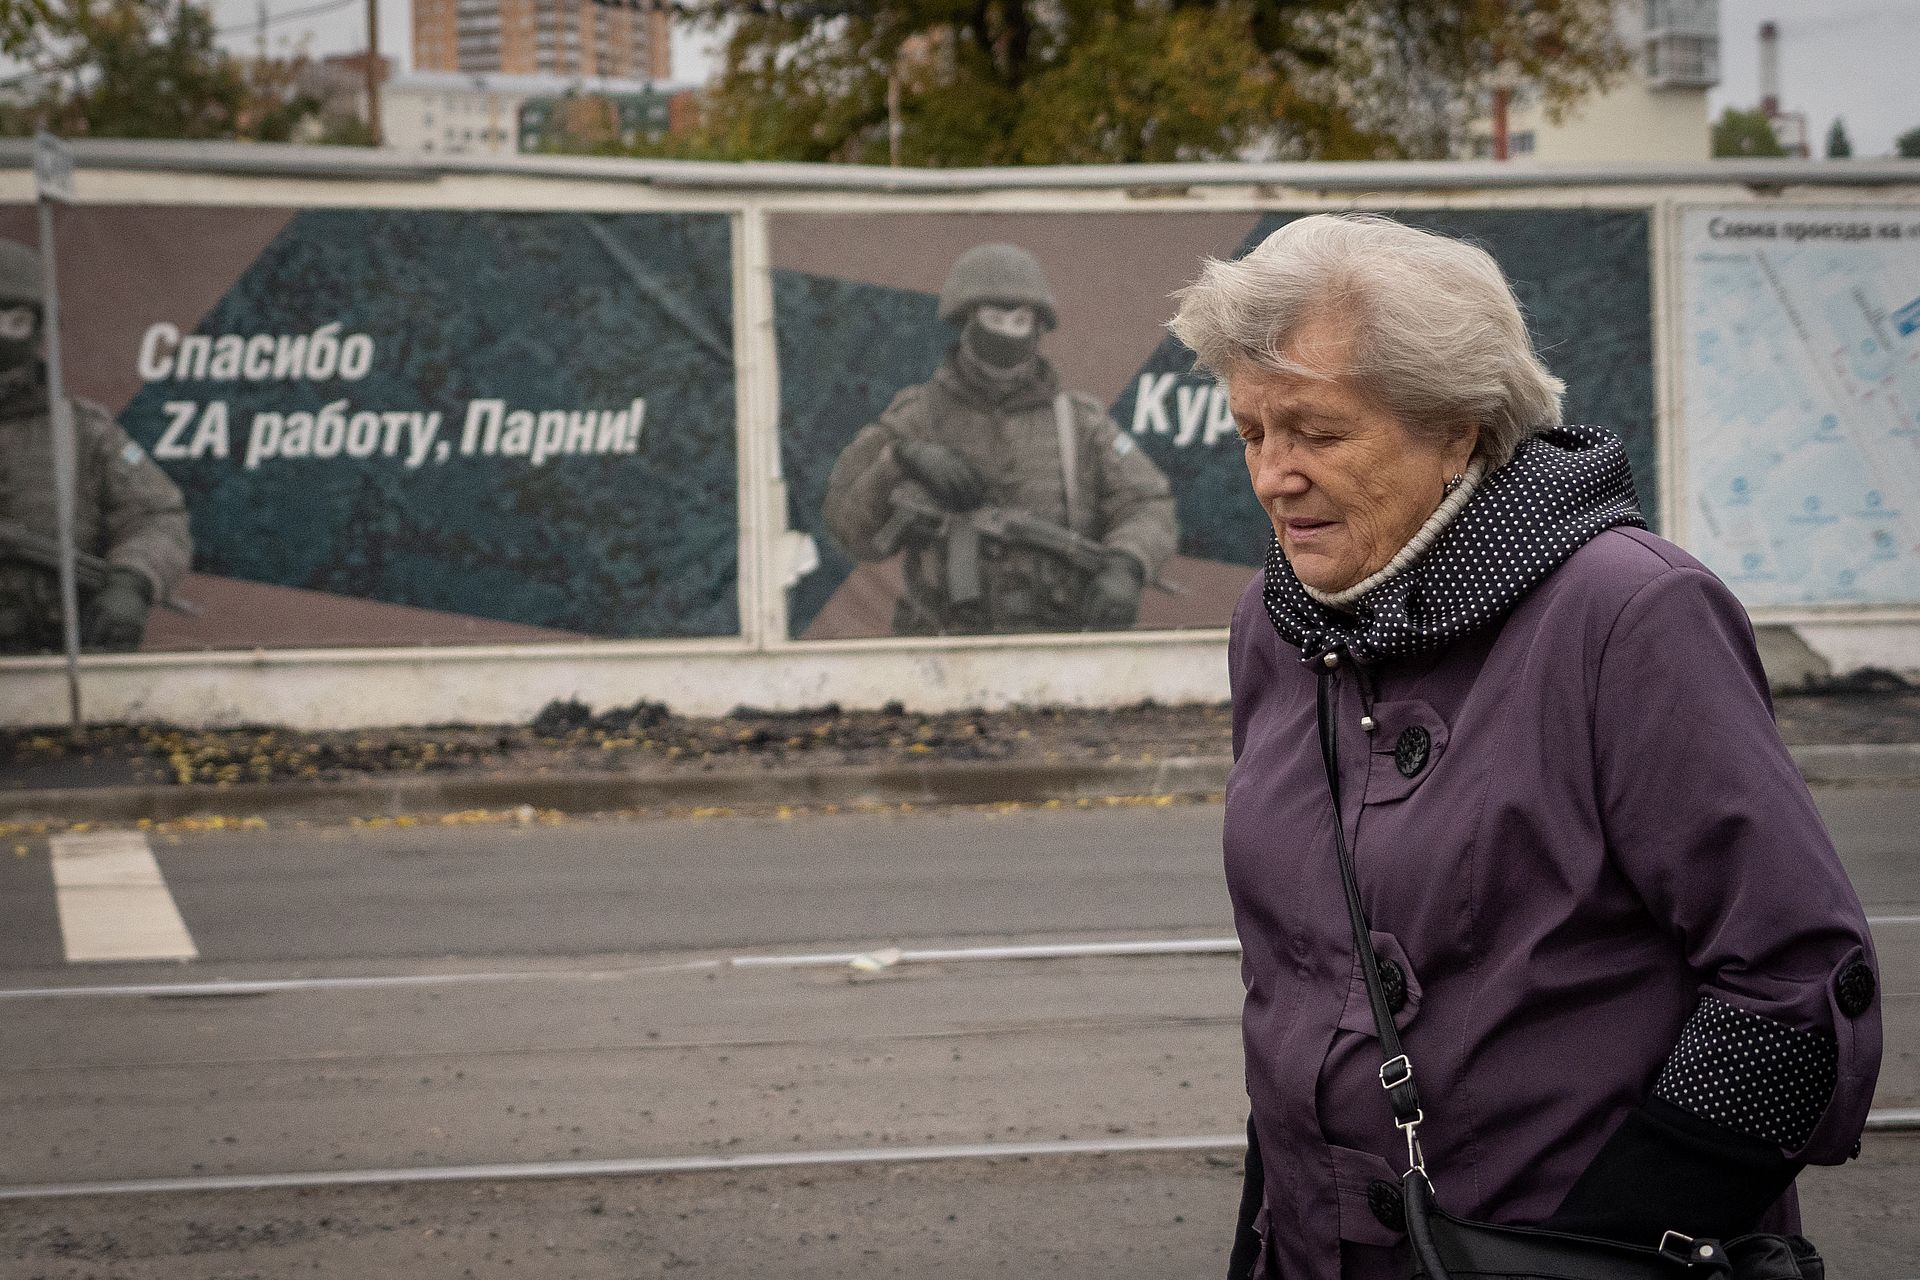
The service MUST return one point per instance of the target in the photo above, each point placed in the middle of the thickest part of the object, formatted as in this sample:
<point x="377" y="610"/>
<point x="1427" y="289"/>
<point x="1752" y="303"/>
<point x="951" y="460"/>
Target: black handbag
<point x="1448" y="1248"/>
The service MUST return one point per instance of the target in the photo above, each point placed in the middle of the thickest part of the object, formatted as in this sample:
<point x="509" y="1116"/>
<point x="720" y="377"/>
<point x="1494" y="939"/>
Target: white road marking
<point x="217" y="987"/>
<point x="220" y="987"/>
<point x="1038" y="951"/>
<point x="113" y="901"/>
<point x="624" y="1168"/>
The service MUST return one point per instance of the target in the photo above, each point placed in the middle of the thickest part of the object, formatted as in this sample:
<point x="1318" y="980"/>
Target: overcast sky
<point x="1838" y="58"/>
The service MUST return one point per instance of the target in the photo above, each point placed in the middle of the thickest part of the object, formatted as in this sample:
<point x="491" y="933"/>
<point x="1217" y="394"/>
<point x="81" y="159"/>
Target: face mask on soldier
<point x="1004" y="337"/>
<point x="19" y="326"/>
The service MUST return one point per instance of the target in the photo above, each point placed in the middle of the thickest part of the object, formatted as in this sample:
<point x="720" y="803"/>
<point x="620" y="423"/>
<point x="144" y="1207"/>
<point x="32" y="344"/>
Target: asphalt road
<point x="558" y="1000"/>
<point x="354" y="894"/>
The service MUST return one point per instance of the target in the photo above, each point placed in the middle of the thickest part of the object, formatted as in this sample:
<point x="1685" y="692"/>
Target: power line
<point x="63" y="65"/>
<point x="275" y="19"/>
<point x="1840" y="21"/>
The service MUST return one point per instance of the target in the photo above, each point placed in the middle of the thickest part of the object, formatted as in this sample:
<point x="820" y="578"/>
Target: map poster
<point x="1800" y="401"/>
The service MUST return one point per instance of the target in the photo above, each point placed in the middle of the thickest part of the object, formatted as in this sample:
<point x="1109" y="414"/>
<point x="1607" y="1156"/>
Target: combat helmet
<point x="1004" y="274"/>
<point x="20" y="278"/>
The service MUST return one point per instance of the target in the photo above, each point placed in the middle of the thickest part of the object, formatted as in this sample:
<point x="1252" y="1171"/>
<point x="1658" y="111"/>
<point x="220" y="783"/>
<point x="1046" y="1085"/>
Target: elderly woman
<point x="1611" y="929"/>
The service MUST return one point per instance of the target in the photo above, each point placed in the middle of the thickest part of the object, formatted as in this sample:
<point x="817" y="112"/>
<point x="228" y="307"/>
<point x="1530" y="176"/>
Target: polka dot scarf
<point x="1561" y="489"/>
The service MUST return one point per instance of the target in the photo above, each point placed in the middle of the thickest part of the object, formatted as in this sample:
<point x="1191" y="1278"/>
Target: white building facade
<point x="1657" y="113"/>
<point x="451" y="113"/>
<point x="477" y="114"/>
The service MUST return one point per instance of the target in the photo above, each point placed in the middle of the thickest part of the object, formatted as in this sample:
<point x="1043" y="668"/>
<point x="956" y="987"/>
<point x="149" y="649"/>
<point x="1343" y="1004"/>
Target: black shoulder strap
<point x="1396" y="1073"/>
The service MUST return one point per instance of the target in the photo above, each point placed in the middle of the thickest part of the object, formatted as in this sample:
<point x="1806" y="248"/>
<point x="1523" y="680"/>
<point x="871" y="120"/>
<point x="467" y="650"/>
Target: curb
<point x="1859" y="762"/>
<point x="972" y="782"/>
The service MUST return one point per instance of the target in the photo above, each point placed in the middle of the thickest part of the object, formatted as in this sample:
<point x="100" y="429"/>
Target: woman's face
<point x="1343" y="482"/>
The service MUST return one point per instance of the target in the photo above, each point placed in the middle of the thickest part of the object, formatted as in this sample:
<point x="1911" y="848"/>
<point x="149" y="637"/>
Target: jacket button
<point x="1393" y="984"/>
<point x="1387" y="1204"/>
<point x="1853" y="987"/>
<point x="1411" y="750"/>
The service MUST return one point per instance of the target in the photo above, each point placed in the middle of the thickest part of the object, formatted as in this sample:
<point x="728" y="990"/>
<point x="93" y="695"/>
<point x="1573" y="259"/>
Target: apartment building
<point x="576" y="38"/>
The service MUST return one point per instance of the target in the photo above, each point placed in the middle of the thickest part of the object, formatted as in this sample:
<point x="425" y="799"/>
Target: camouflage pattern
<point x="1011" y="438"/>
<point x="126" y="509"/>
<point x="1003" y="274"/>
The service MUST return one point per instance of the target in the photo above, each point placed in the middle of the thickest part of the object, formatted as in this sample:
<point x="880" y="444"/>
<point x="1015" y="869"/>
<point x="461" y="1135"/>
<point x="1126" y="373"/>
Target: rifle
<point x="965" y="531"/>
<point x="17" y="542"/>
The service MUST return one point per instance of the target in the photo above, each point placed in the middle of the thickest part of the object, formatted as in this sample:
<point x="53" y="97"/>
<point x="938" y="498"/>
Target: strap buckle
<point x="1692" y="1251"/>
<point x="1401" y="1071"/>
<point x="1416" y="1158"/>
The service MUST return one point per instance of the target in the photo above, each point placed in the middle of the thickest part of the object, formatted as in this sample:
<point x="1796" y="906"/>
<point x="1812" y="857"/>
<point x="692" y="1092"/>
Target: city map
<point x="1800" y="402"/>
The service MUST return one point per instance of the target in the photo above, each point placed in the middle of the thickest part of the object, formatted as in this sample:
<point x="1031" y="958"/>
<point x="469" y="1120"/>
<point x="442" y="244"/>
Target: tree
<point x="142" y="69"/>
<point x="1744" y="133"/>
<point x="1908" y="144"/>
<point x="1839" y="146"/>
<point x="1060" y="81"/>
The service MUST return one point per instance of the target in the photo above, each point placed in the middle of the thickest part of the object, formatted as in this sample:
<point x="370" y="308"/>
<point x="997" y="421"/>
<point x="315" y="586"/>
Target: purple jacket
<point x="1605" y="828"/>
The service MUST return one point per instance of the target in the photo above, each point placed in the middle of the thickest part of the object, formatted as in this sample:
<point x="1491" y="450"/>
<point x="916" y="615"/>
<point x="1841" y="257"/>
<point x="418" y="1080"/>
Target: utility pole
<point x="373" y="71"/>
<point x="896" y="128"/>
<point x="53" y="181"/>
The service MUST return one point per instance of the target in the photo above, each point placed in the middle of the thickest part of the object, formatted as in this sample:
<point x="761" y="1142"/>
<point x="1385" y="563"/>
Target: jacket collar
<point x="1561" y="489"/>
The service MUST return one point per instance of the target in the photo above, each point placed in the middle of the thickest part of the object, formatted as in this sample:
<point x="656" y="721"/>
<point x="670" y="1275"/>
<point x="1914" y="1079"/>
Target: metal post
<point x="373" y="71"/>
<point x="54" y="169"/>
<point x="896" y="128"/>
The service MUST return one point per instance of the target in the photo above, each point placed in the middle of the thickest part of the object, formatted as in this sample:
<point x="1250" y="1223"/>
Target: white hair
<point x="1435" y="334"/>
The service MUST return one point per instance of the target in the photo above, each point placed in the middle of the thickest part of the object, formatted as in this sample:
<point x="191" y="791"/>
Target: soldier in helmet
<point x="126" y="511"/>
<point x="994" y="431"/>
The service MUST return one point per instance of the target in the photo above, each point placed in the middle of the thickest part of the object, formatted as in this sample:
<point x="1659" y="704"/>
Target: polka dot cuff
<point x="1750" y="1074"/>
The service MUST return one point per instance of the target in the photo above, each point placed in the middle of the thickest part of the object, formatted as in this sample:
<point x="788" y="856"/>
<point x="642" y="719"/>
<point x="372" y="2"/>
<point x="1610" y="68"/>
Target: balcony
<point x="1682" y="18"/>
<point x="1676" y="61"/>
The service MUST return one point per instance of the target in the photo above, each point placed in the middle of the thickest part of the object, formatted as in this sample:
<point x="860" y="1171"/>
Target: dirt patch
<point x="647" y="737"/>
<point x="572" y="737"/>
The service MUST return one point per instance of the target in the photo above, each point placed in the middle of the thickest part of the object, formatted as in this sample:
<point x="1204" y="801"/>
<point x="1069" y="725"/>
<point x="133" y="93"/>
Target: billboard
<point x="402" y="426"/>
<point x="1105" y="434"/>
<point x="395" y="427"/>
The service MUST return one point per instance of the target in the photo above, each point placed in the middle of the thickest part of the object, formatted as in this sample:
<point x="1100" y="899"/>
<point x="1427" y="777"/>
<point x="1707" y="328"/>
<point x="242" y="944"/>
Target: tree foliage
<point x="143" y="69"/>
<point x="1064" y="81"/>
<point x="1839" y="145"/>
<point x="1907" y="144"/>
<point x="1744" y="133"/>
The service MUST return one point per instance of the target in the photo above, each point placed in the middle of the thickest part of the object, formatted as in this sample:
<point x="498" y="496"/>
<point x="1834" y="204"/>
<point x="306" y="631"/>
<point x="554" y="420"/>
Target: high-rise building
<point x="550" y="37"/>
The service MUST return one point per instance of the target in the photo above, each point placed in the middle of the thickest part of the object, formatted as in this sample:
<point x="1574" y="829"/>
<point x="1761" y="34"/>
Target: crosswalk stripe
<point x="113" y="901"/>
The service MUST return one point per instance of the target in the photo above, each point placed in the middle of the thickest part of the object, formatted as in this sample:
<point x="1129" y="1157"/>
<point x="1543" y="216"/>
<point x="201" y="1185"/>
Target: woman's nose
<point x="1275" y="474"/>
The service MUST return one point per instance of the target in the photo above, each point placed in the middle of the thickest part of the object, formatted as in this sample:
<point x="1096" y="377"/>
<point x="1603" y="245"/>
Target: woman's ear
<point x="1461" y="451"/>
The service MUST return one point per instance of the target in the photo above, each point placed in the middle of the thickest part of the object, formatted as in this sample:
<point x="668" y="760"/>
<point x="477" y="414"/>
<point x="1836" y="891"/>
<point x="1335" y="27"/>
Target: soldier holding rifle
<point x="1021" y="507"/>
<point x="131" y="524"/>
